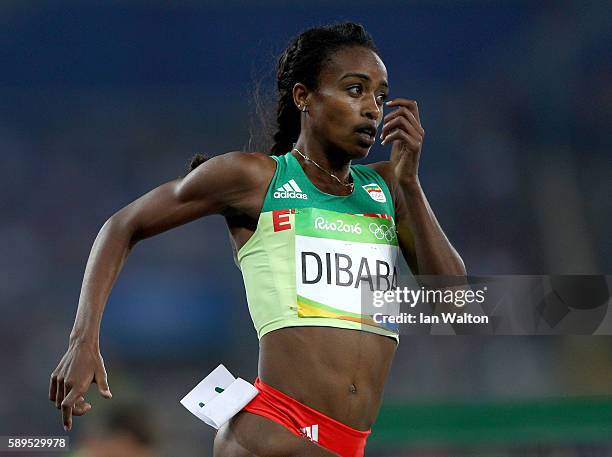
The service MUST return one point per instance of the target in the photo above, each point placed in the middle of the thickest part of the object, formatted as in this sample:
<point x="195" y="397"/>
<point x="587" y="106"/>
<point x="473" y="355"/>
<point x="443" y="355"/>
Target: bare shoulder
<point x="235" y="169"/>
<point x="254" y="169"/>
<point x="255" y="164"/>
<point x="254" y="157"/>
<point x="232" y="181"/>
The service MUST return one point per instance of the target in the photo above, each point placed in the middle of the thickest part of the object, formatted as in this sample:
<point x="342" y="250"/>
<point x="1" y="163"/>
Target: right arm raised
<point x="221" y="185"/>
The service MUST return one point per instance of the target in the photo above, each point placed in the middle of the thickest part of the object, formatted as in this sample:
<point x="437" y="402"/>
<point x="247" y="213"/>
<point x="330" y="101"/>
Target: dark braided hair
<point x="302" y="62"/>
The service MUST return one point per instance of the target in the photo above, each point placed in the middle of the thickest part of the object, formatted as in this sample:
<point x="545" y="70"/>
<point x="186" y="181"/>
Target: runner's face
<point x="344" y="102"/>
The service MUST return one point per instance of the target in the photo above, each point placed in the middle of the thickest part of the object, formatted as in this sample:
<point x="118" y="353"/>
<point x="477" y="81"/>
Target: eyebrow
<point x="364" y="76"/>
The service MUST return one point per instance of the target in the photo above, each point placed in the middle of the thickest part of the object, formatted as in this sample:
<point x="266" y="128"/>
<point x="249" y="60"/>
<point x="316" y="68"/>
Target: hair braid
<point x="287" y="114"/>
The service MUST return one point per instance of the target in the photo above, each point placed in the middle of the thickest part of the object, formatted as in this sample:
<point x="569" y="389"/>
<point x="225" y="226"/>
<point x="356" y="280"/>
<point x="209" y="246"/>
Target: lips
<point x="366" y="137"/>
<point x="369" y="130"/>
<point x="366" y="133"/>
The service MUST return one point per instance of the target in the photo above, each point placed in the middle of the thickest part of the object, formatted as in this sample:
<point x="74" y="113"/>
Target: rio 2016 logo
<point x="339" y="225"/>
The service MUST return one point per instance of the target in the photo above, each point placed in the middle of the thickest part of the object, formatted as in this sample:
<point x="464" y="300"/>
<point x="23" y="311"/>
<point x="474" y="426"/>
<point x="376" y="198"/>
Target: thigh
<point x="250" y="435"/>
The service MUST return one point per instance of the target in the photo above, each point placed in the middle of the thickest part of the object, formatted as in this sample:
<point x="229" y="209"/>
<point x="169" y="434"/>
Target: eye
<point x="382" y="97"/>
<point x="355" y="87"/>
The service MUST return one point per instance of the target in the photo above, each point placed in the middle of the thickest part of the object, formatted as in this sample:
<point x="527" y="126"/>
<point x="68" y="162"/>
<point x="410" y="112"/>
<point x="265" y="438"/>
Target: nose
<point x="371" y="109"/>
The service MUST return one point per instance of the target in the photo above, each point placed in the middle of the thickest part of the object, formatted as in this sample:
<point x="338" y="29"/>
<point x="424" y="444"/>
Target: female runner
<point x="321" y="370"/>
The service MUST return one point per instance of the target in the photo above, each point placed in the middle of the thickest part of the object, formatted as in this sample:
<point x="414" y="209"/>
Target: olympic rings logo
<point x="382" y="231"/>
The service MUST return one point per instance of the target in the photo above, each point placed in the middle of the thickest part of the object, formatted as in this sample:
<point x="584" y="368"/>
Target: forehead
<point x="354" y="59"/>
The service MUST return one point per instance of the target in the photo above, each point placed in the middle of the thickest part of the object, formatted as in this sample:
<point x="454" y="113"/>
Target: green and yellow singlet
<point x="312" y="252"/>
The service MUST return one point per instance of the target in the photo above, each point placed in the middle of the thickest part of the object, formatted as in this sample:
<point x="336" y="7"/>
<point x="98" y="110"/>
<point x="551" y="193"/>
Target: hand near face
<point x="402" y="128"/>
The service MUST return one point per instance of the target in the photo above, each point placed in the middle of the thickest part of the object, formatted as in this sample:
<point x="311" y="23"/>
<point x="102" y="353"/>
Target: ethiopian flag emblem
<point x="375" y="192"/>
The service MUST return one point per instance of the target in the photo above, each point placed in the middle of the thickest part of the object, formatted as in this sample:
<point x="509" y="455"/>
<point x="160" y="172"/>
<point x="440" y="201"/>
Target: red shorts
<point x="302" y="420"/>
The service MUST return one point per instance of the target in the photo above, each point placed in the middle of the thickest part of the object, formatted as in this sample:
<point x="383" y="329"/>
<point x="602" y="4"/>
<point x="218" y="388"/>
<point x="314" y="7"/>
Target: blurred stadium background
<point x="103" y="100"/>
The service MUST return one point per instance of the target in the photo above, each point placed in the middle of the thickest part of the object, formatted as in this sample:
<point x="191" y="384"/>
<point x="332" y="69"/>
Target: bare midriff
<point x="339" y="372"/>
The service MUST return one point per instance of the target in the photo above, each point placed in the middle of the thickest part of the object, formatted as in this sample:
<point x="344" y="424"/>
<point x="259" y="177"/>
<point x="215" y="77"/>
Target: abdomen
<point x="339" y="372"/>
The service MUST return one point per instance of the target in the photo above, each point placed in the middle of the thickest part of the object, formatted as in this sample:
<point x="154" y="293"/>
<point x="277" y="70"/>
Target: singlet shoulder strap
<point x="282" y="165"/>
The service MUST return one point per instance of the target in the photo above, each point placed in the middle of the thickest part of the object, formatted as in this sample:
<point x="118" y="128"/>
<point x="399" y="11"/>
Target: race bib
<point x="337" y="257"/>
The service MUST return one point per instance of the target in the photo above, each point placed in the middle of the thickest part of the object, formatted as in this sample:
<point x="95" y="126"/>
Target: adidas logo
<point x="290" y="190"/>
<point x="311" y="432"/>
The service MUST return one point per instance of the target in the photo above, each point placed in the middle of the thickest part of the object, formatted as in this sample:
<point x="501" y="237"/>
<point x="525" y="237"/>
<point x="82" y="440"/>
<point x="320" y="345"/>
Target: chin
<point x="361" y="151"/>
<point x="354" y="150"/>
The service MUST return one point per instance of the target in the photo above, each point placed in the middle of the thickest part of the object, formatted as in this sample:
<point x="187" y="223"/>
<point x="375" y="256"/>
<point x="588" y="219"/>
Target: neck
<point x="331" y="159"/>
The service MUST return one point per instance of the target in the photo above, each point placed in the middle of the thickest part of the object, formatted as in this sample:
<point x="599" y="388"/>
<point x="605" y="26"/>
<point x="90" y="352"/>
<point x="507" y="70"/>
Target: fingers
<point x="53" y="387"/>
<point x="405" y="113"/>
<point x="59" y="395"/>
<point x="102" y="383"/>
<point x="410" y="104"/>
<point x="402" y="123"/>
<point x="402" y="112"/>
<point x="74" y="404"/>
<point x="415" y="143"/>
<point x="80" y="407"/>
<point x="405" y="118"/>
<point x="68" y="404"/>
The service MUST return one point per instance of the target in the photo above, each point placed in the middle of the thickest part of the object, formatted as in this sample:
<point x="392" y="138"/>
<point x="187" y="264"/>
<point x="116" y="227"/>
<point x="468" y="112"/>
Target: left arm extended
<point x="423" y="242"/>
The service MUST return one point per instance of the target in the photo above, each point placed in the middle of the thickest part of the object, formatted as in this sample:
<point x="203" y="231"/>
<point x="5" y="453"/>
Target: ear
<point x="301" y="95"/>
